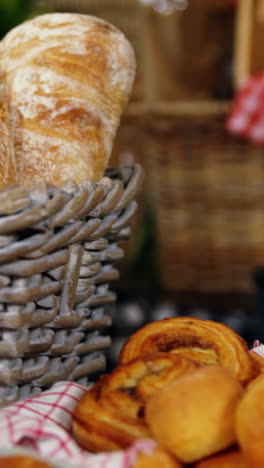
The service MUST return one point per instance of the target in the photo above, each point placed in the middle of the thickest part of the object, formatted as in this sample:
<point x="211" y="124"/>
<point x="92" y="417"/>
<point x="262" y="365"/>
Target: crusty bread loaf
<point x="68" y="79"/>
<point x="7" y="159"/>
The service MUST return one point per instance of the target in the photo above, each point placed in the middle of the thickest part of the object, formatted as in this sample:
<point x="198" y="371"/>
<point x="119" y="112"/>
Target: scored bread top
<point x="69" y="77"/>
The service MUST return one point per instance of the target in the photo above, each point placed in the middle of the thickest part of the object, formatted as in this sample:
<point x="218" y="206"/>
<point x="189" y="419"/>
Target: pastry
<point x="97" y="428"/>
<point x="144" y="376"/>
<point x="249" y="423"/>
<point x="205" y="341"/>
<point x="7" y="158"/>
<point x="231" y="459"/>
<point x="68" y="79"/>
<point x="22" y="461"/>
<point x="111" y="415"/>
<point x="194" y="416"/>
<point x="158" y="459"/>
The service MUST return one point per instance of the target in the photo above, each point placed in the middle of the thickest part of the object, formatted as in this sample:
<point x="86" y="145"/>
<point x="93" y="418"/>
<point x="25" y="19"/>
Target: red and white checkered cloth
<point x="43" y="424"/>
<point x="246" y="117"/>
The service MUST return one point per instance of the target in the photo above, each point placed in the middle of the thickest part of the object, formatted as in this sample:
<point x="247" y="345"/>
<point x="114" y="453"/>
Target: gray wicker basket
<point x="57" y="247"/>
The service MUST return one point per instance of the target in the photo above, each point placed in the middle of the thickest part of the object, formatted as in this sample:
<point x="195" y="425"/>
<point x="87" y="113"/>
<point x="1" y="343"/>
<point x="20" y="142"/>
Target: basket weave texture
<point x="57" y="247"/>
<point x="209" y="197"/>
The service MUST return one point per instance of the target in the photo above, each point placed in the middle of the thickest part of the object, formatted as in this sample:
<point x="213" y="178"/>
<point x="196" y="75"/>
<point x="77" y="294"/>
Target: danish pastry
<point x="204" y="341"/>
<point x="111" y="415"/>
<point x="98" y="428"/>
<point x="194" y="416"/>
<point x="68" y="79"/>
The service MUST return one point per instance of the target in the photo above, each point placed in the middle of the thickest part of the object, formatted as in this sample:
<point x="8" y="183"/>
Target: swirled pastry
<point x="22" y="461"/>
<point x="98" y="428"/>
<point x="68" y="79"/>
<point x="204" y="341"/>
<point x="111" y="415"/>
<point x="249" y="423"/>
<point x="230" y="459"/>
<point x="194" y="416"/>
<point x="144" y="376"/>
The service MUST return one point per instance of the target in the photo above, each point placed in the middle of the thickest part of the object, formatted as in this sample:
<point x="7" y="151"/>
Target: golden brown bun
<point x="204" y="341"/>
<point x="231" y="459"/>
<point x="111" y="415"/>
<point x="7" y="158"/>
<point x="160" y="458"/>
<point x="249" y="423"/>
<point x="22" y="461"/>
<point x="68" y="79"/>
<point x="194" y="417"/>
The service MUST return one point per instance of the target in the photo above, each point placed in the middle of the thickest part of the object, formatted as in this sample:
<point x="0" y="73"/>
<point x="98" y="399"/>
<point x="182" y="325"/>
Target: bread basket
<point x="57" y="247"/>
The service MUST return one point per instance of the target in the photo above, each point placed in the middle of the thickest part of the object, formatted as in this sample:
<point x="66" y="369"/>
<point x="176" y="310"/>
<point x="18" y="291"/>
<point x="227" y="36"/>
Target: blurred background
<point x="198" y="239"/>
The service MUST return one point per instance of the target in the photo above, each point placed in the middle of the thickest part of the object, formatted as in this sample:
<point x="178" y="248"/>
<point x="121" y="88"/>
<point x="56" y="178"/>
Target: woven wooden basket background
<point x="57" y="247"/>
<point x="208" y="192"/>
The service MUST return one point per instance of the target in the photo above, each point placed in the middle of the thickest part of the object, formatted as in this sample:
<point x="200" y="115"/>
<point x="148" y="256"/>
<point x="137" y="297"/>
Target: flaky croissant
<point x="204" y="341"/>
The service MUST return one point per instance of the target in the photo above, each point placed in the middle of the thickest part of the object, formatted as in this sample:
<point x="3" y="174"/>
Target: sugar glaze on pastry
<point x="69" y="77"/>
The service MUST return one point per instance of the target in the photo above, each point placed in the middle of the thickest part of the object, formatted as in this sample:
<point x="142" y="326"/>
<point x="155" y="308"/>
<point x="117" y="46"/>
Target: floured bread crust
<point x="7" y="159"/>
<point x="69" y="77"/>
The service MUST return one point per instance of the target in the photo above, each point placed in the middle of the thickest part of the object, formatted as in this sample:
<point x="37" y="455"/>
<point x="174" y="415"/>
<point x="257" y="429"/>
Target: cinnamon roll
<point x="110" y="416"/>
<point x="204" y="341"/>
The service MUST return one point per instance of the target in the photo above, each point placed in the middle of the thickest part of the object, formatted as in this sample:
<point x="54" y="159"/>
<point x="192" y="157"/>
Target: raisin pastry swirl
<point x="204" y="341"/>
<point x="110" y="416"/>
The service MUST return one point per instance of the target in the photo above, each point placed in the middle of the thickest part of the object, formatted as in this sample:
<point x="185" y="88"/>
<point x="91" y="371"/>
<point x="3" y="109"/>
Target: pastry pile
<point x="65" y="79"/>
<point x="191" y="385"/>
